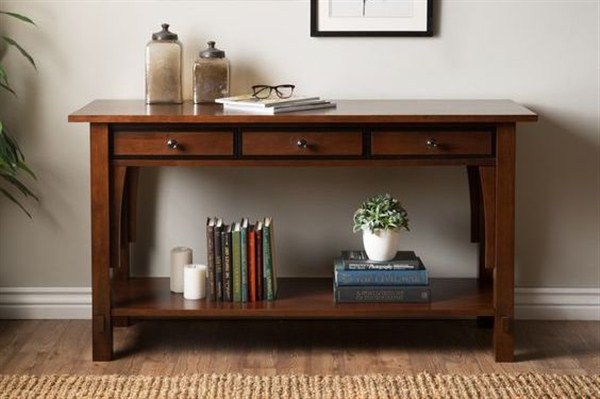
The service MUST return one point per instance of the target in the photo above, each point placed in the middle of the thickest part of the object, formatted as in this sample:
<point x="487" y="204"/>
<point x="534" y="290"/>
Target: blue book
<point x="366" y="277"/>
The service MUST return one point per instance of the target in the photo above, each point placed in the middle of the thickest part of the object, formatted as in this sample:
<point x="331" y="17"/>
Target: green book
<point x="270" y="276"/>
<point x="236" y="252"/>
<point x="227" y="267"/>
<point x="244" y="258"/>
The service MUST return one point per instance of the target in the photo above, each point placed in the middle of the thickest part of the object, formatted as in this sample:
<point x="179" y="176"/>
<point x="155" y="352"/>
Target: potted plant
<point x="381" y="218"/>
<point x="12" y="161"/>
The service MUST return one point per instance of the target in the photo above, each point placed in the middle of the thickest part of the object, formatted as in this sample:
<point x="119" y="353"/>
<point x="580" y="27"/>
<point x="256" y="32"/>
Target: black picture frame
<point x="315" y="32"/>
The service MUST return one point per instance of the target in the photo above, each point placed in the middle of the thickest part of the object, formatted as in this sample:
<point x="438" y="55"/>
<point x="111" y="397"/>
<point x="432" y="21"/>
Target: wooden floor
<point x="310" y="347"/>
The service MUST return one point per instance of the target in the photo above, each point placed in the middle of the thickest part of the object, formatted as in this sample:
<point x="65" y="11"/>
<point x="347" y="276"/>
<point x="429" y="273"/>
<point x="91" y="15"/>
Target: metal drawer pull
<point x="431" y="143"/>
<point x="302" y="143"/>
<point x="172" y="144"/>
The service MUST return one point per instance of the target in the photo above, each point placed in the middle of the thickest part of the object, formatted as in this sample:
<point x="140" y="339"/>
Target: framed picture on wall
<point x="370" y="17"/>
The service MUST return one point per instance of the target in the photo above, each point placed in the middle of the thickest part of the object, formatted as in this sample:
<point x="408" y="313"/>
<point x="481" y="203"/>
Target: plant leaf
<point x="20" y="186"/>
<point x="7" y="88"/>
<point x="21" y="50"/>
<point x="23" y="166"/>
<point x="13" y="199"/>
<point x="18" y="16"/>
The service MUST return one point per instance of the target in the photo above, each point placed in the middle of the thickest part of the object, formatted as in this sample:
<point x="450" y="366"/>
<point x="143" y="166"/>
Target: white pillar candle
<point x="180" y="256"/>
<point x="194" y="281"/>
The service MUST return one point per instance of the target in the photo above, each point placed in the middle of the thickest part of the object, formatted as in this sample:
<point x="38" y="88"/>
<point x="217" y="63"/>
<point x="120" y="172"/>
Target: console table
<point x="126" y="136"/>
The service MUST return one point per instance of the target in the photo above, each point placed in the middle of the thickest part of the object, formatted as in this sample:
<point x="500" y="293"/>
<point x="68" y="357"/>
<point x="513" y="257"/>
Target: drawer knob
<point x="431" y="143"/>
<point x="302" y="143"/>
<point x="172" y="144"/>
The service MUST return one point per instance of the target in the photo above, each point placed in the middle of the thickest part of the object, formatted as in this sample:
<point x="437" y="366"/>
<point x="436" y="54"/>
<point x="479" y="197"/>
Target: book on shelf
<point x="270" y="274"/>
<point x="258" y="229"/>
<point x="414" y="294"/>
<point x="379" y="277"/>
<point x="358" y="260"/>
<point x="252" y="274"/>
<point x="244" y="259"/>
<point x="210" y="252"/>
<point x="236" y="254"/>
<point x="249" y="101"/>
<point x="218" y="256"/>
<point x="227" y="265"/>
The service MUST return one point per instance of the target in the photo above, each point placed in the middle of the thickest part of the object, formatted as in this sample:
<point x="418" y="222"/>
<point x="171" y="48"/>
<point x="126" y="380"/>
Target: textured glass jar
<point x="163" y="68"/>
<point x="211" y="75"/>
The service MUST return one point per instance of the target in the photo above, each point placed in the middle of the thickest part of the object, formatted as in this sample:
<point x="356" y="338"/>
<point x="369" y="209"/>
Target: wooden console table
<point x="128" y="135"/>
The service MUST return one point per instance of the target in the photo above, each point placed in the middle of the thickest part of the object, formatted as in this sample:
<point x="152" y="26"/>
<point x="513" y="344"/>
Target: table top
<point x="347" y="111"/>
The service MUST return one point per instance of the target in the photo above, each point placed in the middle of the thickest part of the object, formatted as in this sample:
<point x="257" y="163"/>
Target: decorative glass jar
<point x="163" y="68"/>
<point x="211" y="75"/>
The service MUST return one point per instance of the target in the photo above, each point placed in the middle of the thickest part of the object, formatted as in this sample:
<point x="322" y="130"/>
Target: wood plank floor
<point x="310" y="347"/>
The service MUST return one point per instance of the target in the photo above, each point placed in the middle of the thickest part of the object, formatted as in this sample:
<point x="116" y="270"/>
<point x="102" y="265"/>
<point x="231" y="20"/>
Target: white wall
<point x="543" y="54"/>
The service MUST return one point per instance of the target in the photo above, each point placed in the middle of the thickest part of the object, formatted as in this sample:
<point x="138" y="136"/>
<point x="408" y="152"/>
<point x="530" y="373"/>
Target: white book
<point x="278" y="110"/>
<point x="247" y="100"/>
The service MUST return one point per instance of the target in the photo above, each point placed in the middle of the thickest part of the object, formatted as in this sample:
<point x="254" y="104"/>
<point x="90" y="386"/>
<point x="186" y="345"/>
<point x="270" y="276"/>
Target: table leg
<point x="505" y="243"/>
<point x="102" y="333"/>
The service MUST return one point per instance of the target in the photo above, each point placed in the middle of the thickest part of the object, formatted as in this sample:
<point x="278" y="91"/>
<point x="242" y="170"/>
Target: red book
<point x="252" y="264"/>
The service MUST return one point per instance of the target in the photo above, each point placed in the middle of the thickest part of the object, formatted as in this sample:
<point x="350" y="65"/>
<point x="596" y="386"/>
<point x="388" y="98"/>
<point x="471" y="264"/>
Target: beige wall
<point x="543" y="54"/>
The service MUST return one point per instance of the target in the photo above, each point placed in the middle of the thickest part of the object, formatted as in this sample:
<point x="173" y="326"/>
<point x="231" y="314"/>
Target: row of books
<point x="273" y="105"/>
<point x="359" y="279"/>
<point x="241" y="266"/>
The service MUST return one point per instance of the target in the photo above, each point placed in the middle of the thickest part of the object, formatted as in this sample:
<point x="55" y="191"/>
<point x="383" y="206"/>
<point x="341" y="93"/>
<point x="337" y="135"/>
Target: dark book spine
<point x="210" y="256"/>
<point x="244" y="263"/>
<point x="382" y="294"/>
<point x="218" y="263"/>
<point x="226" y="242"/>
<point x="251" y="265"/>
<point x="236" y="263"/>
<point x="268" y="264"/>
<point x="259" y="266"/>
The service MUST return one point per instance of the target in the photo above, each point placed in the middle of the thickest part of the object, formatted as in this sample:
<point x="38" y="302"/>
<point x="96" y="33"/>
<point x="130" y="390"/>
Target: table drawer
<point x="178" y="143"/>
<point x="310" y="144"/>
<point x="438" y="143"/>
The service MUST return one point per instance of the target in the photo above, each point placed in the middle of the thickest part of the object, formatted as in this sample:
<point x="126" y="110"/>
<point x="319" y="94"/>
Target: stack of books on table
<point x="402" y="279"/>
<point x="272" y="105"/>
<point x="241" y="266"/>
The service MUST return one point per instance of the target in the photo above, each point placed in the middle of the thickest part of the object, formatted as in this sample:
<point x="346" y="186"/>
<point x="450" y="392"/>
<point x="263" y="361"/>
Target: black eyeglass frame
<point x="258" y="90"/>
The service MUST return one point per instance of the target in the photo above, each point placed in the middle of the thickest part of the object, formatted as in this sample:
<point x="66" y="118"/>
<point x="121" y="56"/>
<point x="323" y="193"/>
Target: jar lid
<point x="164" y="34"/>
<point x="212" y="52"/>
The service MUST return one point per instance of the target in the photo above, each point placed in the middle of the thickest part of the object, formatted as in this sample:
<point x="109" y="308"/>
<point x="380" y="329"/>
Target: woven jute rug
<point x="236" y="386"/>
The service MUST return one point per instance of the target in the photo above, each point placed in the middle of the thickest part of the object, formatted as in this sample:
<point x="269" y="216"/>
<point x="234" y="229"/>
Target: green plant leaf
<point x="20" y="186"/>
<point x="21" y="50"/>
<point x="13" y="199"/>
<point x="7" y="88"/>
<point x="3" y="75"/>
<point x="18" y="16"/>
<point x="23" y="166"/>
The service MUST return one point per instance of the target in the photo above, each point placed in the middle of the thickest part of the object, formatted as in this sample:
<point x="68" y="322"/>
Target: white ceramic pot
<point x="381" y="245"/>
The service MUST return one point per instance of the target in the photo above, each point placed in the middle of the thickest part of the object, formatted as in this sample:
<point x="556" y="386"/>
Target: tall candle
<point x="194" y="281"/>
<point x="180" y="256"/>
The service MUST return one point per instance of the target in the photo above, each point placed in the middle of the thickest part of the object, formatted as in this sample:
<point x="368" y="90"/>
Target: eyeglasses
<point x="265" y="91"/>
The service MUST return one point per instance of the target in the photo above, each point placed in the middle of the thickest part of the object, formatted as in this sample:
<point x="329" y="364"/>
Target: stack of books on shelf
<point x="272" y="105"/>
<point x="241" y="266"/>
<point x="402" y="279"/>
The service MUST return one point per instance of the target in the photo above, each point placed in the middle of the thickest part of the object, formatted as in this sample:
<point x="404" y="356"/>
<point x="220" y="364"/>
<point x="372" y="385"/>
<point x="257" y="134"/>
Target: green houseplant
<point x="12" y="160"/>
<point x="380" y="218"/>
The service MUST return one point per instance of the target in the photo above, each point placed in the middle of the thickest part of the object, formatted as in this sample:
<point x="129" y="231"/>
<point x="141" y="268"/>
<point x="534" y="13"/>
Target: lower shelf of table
<point x="299" y="298"/>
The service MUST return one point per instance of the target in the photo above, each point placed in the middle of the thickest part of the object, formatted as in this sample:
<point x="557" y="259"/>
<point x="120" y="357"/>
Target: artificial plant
<point x="12" y="160"/>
